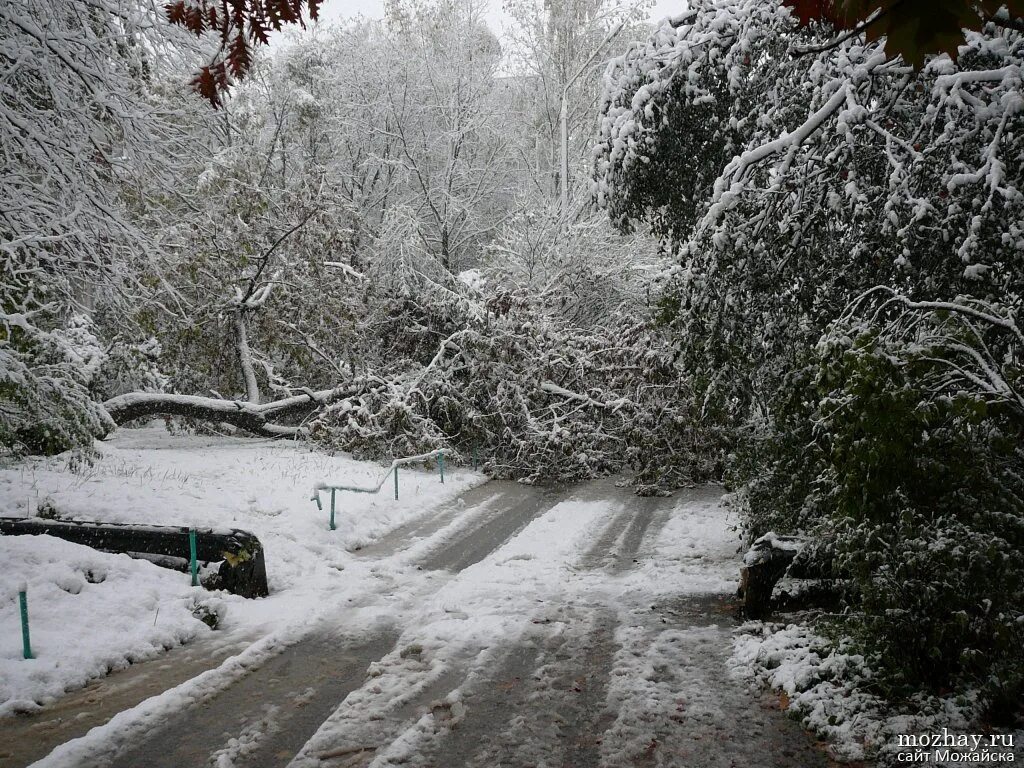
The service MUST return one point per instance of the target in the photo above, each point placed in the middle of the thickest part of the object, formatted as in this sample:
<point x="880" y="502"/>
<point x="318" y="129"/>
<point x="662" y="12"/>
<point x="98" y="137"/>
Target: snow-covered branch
<point x="256" y="418"/>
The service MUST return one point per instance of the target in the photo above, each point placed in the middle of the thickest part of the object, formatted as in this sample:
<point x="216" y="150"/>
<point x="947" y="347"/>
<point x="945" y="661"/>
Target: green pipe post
<point x="26" y="642"/>
<point x="476" y="457"/>
<point x="440" y="466"/>
<point x="333" y="526"/>
<point x="396" y="483"/>
<point x="192" y="564"/>
<point x="316" y="498"/>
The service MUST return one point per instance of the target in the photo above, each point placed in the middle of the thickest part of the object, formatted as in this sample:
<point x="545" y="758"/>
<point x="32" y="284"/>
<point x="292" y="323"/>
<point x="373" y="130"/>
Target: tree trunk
<point x="252" y="387"/>
<point x="256" y="418"/>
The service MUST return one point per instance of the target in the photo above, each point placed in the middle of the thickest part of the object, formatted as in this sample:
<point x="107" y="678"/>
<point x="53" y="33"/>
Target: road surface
<point x="519" y="627"/>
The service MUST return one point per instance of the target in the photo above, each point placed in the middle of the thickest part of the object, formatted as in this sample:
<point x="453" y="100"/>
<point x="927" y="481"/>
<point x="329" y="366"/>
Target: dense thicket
<point x="849" y="240"/>
<point x="531" y="398"/>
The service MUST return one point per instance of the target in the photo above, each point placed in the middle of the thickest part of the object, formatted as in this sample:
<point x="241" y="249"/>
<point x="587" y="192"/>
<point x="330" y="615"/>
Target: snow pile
<point x="89" y="613"/>
<point x="827" y="689"/>
<point x="822" y="683"/>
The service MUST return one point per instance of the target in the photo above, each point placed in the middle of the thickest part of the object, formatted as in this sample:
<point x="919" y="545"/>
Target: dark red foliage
<point x="818" y="10"/>
<point x="240" y="25"/>
<point x="913" y="29"/>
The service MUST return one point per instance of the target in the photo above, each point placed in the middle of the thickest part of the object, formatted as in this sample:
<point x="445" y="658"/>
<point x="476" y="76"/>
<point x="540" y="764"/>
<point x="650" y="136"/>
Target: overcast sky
<point x="336" y="10"/>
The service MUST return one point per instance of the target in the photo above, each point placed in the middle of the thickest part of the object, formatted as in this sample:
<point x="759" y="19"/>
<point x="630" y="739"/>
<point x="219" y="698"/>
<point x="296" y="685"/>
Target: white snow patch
<point x="89" y="613"/>
<point x="827" y="687"/>
<point x="149" y="476"/>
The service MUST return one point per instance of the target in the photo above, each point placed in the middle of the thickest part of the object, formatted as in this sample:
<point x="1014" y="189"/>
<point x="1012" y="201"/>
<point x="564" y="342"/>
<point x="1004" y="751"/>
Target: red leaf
<point x="195" y="21"/>
<point x="210" y="83"/>
<point x="239" y="57"/>
<point x="176" y="12"/>
<point x="258" y="32"/>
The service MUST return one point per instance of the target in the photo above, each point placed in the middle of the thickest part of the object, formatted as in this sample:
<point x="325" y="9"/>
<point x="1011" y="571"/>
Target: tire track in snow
<point x="536" y="698"/>
<point x="499" y="637"/>
<point x="604" y="684"/>
<point x="234" y="728"/>
<point x="471" y="546"/>
<point x="543" y="702"/>
<point x="482" y="498"/>
<point x="602" y="552"/>
<point x="623" y="539"/>
<point x="527" y="704"/>
<point x="436" y="714"/>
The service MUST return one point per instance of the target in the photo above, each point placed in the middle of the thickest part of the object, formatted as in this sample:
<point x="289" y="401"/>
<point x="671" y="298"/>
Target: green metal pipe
<point x="26" y="642"/>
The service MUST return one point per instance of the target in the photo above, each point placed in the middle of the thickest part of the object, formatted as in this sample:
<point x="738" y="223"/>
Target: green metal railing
<point x="391" y="470"/>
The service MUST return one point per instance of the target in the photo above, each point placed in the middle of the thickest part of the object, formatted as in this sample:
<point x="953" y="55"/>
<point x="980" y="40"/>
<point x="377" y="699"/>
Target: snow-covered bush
<point x="831" y="689"/>
<point x="923" y="487"/>
<point x="793" y="173"/>
<point x="45" y="403"/>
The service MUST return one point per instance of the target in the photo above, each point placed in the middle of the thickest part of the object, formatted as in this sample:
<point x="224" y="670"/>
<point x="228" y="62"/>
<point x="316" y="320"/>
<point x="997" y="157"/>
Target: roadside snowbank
<point x="827" y="690"/>
<point x="89" y="613"/>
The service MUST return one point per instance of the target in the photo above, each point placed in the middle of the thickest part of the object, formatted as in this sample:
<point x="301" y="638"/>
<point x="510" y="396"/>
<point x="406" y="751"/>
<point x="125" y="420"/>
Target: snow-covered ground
<point x="590" y="583"/>
<point x="556" y="582"/>
<point x="92" y="612"/>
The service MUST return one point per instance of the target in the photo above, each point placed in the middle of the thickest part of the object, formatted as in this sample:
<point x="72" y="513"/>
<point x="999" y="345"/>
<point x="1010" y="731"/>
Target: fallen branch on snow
<point x="256" y="418"/>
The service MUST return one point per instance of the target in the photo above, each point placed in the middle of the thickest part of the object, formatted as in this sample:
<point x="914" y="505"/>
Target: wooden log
<point x="258" y="418"/>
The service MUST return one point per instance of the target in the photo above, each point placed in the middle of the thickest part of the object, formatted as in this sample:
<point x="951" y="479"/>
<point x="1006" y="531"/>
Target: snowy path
<point x="518" y="627"/>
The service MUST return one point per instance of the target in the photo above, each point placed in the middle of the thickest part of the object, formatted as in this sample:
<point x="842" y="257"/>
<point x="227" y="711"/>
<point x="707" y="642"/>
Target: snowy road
<point x="515" y="626"/>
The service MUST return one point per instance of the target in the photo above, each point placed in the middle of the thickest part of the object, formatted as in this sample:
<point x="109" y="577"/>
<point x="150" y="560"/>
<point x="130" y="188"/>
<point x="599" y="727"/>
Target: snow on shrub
<point x="828" y="687"/>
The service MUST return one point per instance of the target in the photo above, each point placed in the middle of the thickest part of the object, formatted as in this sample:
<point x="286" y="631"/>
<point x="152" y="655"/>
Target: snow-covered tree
<point x="580" y="273"/>
<point x="791" y="185"/>
<point x="794" y="170"/>
<point x="557" y="49"/>
<point x="448" y="118"/>
<point x="82" y="136"/>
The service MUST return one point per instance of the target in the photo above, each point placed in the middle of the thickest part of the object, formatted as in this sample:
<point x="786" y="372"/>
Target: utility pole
<point x="564" y="117"/>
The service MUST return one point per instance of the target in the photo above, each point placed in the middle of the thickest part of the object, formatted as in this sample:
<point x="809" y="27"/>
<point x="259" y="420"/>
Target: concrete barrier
<point x="243" y="569"/>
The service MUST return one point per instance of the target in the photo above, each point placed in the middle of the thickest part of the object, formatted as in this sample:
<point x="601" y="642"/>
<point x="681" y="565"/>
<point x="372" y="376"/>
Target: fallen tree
<point x="533" y="402"/>
<point x="259" y="418"/>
